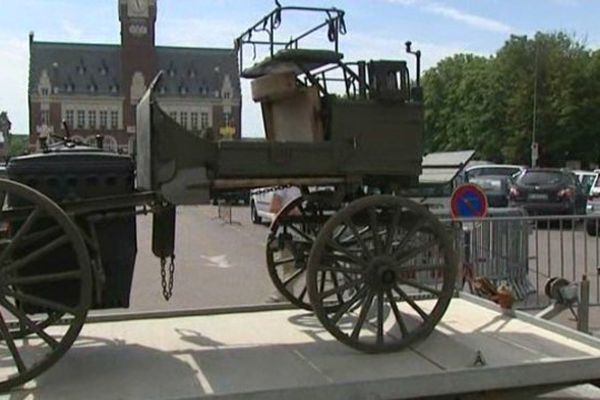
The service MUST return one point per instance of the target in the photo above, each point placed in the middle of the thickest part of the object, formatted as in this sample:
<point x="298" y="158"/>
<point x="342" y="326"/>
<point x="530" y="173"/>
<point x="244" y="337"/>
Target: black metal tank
<point x="71" y="172"/>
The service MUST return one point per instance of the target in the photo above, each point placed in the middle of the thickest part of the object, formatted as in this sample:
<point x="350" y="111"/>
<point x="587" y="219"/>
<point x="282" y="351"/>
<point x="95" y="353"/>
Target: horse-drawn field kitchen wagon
<point x="378" y="270"/>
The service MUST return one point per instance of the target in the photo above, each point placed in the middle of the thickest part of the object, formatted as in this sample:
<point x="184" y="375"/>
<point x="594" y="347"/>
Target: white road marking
<point x="219" y="261"/>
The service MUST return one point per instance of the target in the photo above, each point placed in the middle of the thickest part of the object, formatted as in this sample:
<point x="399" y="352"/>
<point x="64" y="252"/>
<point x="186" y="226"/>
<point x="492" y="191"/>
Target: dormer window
<point x="56" y="90"/>
<point x="80" y="69"/>
<point x="192" y="73"/>
<point x="171" y="71"/>
<point x="44" y="91"/>
<point x="182" y="89"/>
<point x="69" y="87"/>
<point x="92" y="88"/>
<point x="103" y="70"/>
<point x="114" y="88"/>
<point x="162" y="90"/>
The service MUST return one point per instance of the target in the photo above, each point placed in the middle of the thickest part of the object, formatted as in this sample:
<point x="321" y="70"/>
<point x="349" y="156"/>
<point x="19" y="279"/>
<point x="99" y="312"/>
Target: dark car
<point x="494" y="179"/>
<point x="548" y="191"/>
<point x="495" y="188"/>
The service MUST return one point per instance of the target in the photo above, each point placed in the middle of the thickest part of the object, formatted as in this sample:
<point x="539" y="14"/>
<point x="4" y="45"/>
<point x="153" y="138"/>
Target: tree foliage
<point x="487" y="103"/>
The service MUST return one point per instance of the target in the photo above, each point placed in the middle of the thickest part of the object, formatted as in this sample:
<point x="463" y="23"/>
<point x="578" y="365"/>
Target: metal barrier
<point x="525" y="251"/>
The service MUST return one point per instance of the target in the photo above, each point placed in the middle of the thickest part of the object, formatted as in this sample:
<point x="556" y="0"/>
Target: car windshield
<point x="485" y="171"/>
<point x="488" y="182"/>
<point x="542" y="178"/>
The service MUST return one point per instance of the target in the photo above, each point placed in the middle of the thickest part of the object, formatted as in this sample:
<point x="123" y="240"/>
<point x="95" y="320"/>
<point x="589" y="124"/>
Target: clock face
<point x="137" y="8"/>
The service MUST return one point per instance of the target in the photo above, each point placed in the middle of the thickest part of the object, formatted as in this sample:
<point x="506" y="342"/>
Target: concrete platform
<point x="286" y="354"/>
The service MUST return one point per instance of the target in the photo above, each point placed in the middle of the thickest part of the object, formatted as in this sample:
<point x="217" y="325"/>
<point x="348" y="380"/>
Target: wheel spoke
<point x="360" y="295"/>
<point x="411" y="232"/>
<point x="366" y="306"/>
<point x="294" y="276"/>
<point x="377" y="242"/>
<point x="359" y="239"/>
<point x="340" y="288"/>
<point x="10" y="343"/>
<point x="284" y="261"/>
<point x="336" y="284"/>
<point x="352" y="257"/>
<point x="59" y="276"/>
<point x="40" y="302"/>
<point x="380" y="318"/>
<point x="304" y="235"/>
<point x="413" y="252"/>
<point x="41" y="234"/>
<point x="412" y="303"/>
<point x="56" y="243"/>
<point x="392" y="230"/>
<point x="397" y="313"/>
<point x="418" y="268"/>
<point x="20" y="233"/>
<point x="342" y="270"/>
<point x="303" y="293"/>
<point x="23" y="318"/>
<point x="420" y="286"/>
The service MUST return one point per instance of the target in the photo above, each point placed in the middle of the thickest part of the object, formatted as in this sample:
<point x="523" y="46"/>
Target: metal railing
<point x="524" y="252"/>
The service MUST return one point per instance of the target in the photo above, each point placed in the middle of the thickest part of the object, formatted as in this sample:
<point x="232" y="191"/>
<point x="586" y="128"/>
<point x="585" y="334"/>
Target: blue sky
<point x="377" y="29"/>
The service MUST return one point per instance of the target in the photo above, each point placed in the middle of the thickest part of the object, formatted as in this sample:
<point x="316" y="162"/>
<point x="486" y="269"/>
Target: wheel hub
<point x="382" y="273"/>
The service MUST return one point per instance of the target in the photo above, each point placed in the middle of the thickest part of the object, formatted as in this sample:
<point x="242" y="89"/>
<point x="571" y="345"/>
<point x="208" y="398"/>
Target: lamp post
<point x="534" y="145"/>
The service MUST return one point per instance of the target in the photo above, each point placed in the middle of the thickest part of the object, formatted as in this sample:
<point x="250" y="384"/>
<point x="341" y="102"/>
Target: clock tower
<point x="138" y="55"/>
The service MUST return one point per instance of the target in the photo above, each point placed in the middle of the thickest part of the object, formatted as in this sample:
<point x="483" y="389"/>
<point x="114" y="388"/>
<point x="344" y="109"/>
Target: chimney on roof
<point x="31" y="35"/>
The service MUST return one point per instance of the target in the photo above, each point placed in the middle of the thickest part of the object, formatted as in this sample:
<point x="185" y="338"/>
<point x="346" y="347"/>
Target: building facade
<point x="94" y="88"/>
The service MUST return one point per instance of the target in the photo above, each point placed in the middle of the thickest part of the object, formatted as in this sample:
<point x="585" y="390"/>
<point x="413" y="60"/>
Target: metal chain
<point x="167" y="286"/>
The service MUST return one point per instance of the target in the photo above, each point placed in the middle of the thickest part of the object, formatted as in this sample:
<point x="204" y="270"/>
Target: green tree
<point x="488" y="103"/>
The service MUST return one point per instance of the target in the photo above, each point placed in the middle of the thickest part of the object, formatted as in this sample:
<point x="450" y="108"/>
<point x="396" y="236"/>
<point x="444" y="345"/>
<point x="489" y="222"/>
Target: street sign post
<point x="468" y="201"/>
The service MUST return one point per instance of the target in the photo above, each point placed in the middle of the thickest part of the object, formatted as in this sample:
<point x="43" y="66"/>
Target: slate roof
<point x="74" y="67"/>
<point x="78" y="68"/>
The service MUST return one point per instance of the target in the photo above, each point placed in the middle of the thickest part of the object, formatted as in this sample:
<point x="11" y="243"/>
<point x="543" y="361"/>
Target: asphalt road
<point x="223" y="264"/>
<point x="217" y="263"/>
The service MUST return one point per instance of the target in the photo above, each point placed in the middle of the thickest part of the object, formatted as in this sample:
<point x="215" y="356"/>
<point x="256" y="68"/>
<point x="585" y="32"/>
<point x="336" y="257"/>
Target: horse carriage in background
<point x="378" y="270"/>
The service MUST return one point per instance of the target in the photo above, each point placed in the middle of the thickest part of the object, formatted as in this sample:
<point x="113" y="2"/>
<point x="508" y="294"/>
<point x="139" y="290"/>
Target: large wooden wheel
<point x="45" y="283"/>
<point x="393" y="270"/>
<point x="291" y="237"/>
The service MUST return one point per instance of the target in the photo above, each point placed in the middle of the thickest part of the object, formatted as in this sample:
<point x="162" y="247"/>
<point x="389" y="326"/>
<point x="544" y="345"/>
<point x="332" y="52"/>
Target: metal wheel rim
<point x="298" y="277"/>
<point x="42" y="205"/>
<point x="369" y="290"/>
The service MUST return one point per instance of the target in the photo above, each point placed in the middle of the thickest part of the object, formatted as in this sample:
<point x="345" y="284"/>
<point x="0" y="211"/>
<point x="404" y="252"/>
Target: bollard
<point x="583" y="306"/>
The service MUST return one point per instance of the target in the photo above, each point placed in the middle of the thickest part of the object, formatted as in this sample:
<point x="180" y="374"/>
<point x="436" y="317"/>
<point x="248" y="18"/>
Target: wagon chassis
<point x="377" y="270"/>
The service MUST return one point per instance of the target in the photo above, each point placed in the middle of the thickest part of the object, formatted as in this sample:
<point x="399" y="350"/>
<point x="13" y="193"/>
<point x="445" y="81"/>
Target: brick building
<point x="95" y="87"/>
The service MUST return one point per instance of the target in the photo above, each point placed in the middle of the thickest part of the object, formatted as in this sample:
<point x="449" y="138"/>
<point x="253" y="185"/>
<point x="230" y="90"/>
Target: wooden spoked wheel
<point x="45" y="283"/>
<point x="291" y="237"/>
<point x="394" y="271"/>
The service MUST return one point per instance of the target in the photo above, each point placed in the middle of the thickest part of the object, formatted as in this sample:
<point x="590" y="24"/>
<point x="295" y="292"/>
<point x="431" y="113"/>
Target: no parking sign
<point x="468" y="201"/>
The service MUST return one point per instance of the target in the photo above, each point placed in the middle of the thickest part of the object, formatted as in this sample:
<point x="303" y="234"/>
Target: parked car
<point x="587" y="179"/>
<point x="492" y="170"/>
<point x="548" y="191"/>
<point x="494" y="179"/>
<point x="595" y="189"/>
<point x="261" y="199"/>
<point x="592" y="225"/>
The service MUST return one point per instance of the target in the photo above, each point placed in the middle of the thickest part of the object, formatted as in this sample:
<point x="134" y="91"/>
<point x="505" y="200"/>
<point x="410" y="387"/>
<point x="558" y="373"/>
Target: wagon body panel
<point x="74" y="174"/>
